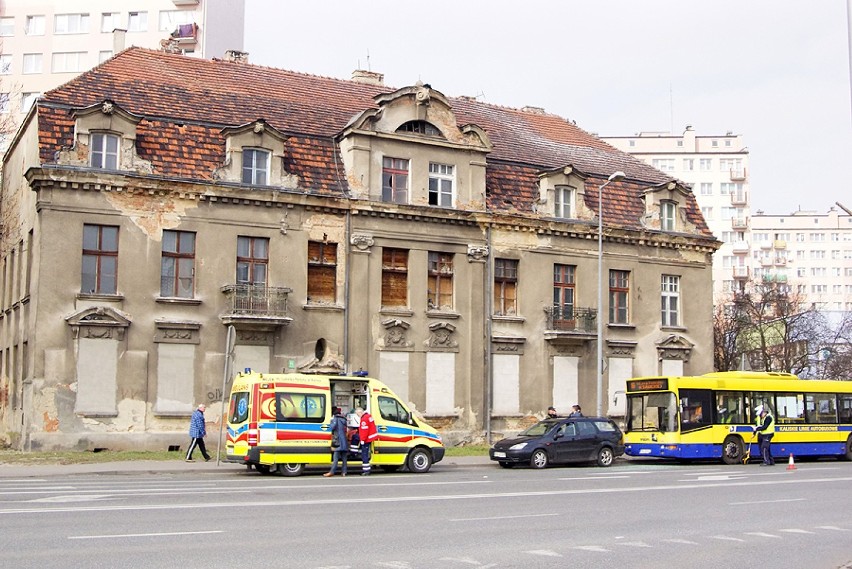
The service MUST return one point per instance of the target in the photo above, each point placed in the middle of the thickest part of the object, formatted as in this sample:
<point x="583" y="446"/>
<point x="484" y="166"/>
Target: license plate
<point x="498" y="454"/>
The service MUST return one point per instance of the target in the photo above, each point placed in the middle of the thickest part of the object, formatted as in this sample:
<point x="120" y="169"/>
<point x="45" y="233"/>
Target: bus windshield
<point x="652" y="412"/>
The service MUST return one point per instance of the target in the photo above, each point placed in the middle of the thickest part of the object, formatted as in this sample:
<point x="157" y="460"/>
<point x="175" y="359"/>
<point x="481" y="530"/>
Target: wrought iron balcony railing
<point x="256" y="300"/>
<point x="570" y="319"/>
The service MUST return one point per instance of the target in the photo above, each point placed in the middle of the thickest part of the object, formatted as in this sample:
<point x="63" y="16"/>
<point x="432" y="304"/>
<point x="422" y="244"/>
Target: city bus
<point x="711" y="416"/>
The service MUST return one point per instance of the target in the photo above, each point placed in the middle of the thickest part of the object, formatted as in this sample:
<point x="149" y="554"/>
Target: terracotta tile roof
<point x="186" y="102"/>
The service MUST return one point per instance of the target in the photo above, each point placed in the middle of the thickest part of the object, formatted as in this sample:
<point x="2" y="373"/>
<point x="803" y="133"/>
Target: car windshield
<point x="539" y="429"/>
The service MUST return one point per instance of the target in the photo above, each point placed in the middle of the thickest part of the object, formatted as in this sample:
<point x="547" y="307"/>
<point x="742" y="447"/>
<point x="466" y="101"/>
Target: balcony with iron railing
<point x="256" y="305"/>
<point x="739" y="222"/>
<point x="740" y="273"/>
<point x="565" y="321"/>
<point x="740" y="247"/>
<point x="738" y="174"/>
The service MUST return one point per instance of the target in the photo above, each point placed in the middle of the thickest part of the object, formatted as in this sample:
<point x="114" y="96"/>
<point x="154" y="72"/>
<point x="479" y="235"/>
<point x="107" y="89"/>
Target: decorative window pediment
<point x="561" y="192"/>
<point x="674" y="347"/>
<point x="254" y="156"/>
<point x="105" y="139"/>
<point x="99" y="322"/>
<point x="665" y="207"/>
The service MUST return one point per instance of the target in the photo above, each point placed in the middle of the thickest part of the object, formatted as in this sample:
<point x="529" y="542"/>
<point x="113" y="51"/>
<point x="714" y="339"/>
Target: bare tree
<point x="835" y="361"/>
<point x="771" y="328"/>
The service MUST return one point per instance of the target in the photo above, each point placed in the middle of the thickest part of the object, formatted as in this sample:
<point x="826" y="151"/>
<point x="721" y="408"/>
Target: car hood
<point x="506" y="443"/>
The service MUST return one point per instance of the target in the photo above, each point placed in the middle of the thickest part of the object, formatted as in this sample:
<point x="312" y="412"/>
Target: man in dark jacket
<point x="339" y="443"/>
<point x="197" y="432"/>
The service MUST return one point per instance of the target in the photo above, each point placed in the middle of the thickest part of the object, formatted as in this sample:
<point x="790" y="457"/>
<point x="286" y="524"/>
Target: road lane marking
<point x="597" y="548"/>
<point x="779" y="501"/>
<point x="796" y="530"/>
<point x="161" y="534"/>
<point x="682" y="541"/>
<point x="351" y="501"/>
<point x="833" y="528"/>
<point x="544" y="552"/>
<point x="762" y="534"/>
<point x="503" y="517"/>
<point x="634" y="544"/>
<point x="726" y="538"/>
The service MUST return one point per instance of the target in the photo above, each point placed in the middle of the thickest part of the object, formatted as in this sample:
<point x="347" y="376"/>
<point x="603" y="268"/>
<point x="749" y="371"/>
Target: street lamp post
<point x="615" y="177"/>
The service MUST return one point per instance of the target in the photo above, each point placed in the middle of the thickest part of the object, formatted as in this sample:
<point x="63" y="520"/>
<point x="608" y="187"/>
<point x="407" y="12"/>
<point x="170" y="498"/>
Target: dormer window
<point x="441" y="178"/>
<point x="668" y="212"/>
<point x="563" y="201"/>
<point x="420" y="127"/>
<point x="255" y="166"/>
<point x="103" y="151"/>
<point x="394" y="180"/>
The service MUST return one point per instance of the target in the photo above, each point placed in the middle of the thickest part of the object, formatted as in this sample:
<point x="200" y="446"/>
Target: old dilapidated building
<point x="447" y="246"/>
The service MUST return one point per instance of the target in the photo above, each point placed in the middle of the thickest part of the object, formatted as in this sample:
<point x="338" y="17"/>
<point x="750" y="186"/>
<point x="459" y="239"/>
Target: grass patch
<point x="83" y="457"/>
<point x="88" y="457"/>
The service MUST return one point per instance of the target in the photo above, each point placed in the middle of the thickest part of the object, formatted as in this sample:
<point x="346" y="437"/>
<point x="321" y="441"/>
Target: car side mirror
<point x="558" y="436"/>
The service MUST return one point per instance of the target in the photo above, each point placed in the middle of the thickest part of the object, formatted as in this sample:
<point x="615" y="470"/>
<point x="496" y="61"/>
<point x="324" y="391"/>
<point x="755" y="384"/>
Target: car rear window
<point x="605" y="426"/>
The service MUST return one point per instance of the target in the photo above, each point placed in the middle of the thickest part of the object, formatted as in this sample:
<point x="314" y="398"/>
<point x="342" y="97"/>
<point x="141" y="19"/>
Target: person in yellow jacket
<point x="765" y="429"/>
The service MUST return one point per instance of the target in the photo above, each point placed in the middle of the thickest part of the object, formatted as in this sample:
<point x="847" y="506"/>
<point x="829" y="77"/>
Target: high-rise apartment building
<point x="45" y="43"/>
<point x="716" y="167"/>
<point x="811" y="251"/>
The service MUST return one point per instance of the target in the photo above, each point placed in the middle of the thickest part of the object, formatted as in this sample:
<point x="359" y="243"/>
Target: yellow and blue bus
<point x="711" y="416"/>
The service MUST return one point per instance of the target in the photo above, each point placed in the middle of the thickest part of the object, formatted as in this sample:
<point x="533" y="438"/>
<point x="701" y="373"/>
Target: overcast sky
<point x="774" y="71"/>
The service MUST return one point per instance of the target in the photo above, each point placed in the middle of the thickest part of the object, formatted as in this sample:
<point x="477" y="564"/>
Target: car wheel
<point x="290" y="469"/>
<point x="263" y="468"/>
<point x="506" y="464"/>
<point x="605" y="456"/>
<point x="539" y="459"/>
<point x="419" y="461"/>
<point x="732" y="450"/>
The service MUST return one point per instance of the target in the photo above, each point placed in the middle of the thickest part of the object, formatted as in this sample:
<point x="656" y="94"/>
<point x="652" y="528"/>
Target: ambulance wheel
<point x="419" y="461"/>
<point x="290" y="469"/>
<point x="732" y="450"/>
<point x="392" y="468"/>
<point x="263" y="468"/>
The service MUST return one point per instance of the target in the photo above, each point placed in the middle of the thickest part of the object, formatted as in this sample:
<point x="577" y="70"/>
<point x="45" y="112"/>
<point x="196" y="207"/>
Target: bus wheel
<point x="262" y="468"/>
<point x="289" y="469"/>
<point x="732" y="450"/>
<point x="538" y="459"/>
<point x="848" y="455"/>
<point x="419" y="461"/>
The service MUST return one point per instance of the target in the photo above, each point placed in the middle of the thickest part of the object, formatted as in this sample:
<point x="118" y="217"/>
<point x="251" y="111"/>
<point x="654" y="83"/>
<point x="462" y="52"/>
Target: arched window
<point x="420" y="127"/>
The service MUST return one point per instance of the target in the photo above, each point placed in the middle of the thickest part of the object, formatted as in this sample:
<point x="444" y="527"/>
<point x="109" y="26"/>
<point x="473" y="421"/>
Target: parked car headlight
<point x="518" y="446"/>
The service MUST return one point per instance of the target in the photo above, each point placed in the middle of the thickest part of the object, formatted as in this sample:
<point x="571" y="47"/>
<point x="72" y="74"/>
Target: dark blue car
<point x="560" y="441"/>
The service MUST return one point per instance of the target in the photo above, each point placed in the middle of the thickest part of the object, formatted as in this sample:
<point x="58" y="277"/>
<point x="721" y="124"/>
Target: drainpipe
<point x="487" y="311"/>
<point x="346" y="292"/>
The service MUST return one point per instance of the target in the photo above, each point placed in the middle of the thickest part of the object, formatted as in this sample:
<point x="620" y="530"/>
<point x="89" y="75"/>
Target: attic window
<point x="420" y="127"/>
<point x="103" y="151"/>
<point x="668" y="212"/>
<point x="255" y="166"/>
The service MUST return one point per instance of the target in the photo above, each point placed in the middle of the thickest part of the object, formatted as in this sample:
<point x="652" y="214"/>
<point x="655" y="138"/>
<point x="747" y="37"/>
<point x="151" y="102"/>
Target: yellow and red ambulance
<point x="280" y="423"/>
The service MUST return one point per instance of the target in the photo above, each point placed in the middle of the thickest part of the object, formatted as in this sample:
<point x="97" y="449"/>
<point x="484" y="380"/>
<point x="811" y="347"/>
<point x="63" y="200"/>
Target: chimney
<point x="368" y="77"/>
<point x="119" y="39"/>
<point x="236" y="56"/>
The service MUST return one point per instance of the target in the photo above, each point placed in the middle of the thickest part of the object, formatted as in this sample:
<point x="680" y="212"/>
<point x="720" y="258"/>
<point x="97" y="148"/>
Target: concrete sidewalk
<point x="171" y="466"/>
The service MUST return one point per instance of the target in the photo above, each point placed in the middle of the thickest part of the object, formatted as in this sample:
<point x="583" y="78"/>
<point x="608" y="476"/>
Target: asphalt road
<point x="463" y="514"/>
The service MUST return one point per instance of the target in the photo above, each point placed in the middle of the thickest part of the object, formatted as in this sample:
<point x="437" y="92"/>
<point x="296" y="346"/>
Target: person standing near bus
<point x="367" y="433"/>
<point x="339" y="442"/>
<point x="765" y="429"/>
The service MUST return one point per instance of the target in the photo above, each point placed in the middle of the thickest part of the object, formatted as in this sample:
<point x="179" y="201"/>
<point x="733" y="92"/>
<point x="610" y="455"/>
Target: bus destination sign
<point x="656" y="384"/>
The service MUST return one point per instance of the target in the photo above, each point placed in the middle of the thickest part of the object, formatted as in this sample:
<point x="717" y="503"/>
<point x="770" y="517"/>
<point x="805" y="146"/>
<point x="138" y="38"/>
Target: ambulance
<point x="279" y="423"/>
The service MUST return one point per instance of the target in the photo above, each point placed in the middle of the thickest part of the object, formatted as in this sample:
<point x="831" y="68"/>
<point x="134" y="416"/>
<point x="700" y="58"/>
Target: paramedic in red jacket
<point x="367" y="433"/>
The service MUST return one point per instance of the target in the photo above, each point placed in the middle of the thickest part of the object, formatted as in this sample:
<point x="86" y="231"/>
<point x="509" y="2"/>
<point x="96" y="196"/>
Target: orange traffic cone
<point x="791" y="465"/>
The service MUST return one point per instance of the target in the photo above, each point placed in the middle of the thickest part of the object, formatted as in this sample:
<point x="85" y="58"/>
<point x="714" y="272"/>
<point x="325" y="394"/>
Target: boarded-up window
<point x="440" y="281"/>
<point x="322" y="271"/>
<point x="394" y="277"/>
<point x="505" y="287"/>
